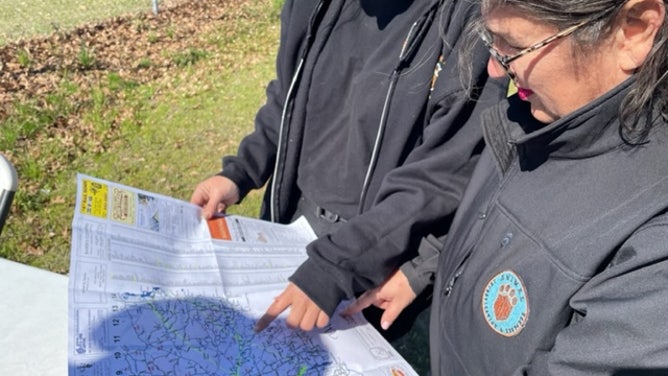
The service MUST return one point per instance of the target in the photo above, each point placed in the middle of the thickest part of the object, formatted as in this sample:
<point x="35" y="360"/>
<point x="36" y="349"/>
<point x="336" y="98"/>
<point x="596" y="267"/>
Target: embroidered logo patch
<point x="505" y="305"/>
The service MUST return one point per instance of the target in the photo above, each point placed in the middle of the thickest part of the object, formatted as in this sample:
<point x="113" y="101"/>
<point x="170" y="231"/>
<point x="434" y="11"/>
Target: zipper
<point x="409" y="47"/>
<point x="379" y="138"/>
<point x="273" y="200"/>
<point x="273" y="206"/>
<point x="458" y="272"/>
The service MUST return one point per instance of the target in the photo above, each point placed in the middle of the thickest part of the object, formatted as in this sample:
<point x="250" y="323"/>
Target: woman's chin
<point x="541" y="115"/>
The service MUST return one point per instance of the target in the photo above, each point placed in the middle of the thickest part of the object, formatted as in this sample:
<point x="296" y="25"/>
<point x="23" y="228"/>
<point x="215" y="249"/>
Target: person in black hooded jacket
<point x="368" y="132"/>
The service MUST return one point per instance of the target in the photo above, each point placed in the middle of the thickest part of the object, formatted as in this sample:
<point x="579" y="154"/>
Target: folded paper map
<point x="156" y="290"/>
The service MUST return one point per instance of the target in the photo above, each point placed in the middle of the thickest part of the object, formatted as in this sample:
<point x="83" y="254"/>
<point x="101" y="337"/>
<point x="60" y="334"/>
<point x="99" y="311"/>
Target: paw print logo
<point x="505" y="304"/>
<point x="505" y="301"/>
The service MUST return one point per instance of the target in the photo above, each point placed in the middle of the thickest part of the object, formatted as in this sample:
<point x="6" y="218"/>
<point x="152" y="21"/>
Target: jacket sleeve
<point x="619" y="326"/>
<point x="416" y="199"/>
<point x="253" y="164"/>
<point x="421" y="270"/>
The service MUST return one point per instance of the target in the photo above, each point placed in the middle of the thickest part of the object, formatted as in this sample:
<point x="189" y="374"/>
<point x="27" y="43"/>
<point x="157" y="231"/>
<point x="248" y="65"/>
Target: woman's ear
<point x="639" y="22"/>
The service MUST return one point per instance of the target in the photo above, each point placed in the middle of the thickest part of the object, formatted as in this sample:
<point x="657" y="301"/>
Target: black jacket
<point x="425" y="156"/>
<point x="557" y="261"/>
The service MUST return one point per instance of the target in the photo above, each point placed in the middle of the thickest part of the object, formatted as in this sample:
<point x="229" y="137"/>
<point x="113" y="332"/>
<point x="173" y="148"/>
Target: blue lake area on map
<point x="199" y="336"/>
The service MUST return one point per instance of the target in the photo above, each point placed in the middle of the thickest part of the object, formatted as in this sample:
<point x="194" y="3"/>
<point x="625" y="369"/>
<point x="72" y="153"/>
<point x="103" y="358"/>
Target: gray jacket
<point x="557" y="261"/>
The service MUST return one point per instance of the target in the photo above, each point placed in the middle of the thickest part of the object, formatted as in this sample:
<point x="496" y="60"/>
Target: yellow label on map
<point x="94" y="199"/>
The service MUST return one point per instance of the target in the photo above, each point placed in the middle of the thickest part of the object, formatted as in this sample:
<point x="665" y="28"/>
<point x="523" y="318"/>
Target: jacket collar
<point x="511" y="132"/>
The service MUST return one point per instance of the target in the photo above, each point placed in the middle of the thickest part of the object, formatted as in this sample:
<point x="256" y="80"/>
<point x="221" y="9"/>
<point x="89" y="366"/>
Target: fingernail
<point x="385" y="325"/>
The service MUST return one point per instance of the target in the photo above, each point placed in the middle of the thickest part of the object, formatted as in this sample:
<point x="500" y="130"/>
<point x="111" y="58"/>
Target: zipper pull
<point x="451" y="283"/>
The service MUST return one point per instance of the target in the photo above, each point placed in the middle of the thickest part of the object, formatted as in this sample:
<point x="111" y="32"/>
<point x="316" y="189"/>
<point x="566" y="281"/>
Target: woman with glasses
<point x="557" y="259"/>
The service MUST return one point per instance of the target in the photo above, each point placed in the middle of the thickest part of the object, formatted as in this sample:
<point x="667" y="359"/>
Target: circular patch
<point x="505" y="305"/>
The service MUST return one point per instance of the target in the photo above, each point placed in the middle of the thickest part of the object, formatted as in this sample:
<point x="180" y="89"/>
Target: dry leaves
<point x="138" y="48"/>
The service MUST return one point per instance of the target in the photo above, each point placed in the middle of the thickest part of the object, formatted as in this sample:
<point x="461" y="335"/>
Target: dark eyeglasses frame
<point x="505" y="60"/>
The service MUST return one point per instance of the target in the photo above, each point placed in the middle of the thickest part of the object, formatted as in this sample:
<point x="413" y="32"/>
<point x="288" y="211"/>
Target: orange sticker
<point x="218" y="228"/>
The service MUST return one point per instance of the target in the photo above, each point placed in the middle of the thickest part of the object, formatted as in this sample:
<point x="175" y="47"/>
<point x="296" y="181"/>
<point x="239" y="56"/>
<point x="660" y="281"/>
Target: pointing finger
<point x="364" y="301"/>
<point x="275" y="309"/>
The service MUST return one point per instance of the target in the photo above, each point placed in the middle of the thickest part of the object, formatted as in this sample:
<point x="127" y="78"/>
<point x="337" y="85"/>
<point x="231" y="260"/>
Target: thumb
<point x="209" y="209"/>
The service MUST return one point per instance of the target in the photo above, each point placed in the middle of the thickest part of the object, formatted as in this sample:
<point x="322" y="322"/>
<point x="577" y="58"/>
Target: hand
<point x="215" y="195"/>
<point x="393" y="296"/>
<point x="304" y="314"/>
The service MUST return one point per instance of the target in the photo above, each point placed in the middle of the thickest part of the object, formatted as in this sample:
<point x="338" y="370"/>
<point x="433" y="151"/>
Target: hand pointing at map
<point x="304" y="313"/>
<point x="392" y="296"/>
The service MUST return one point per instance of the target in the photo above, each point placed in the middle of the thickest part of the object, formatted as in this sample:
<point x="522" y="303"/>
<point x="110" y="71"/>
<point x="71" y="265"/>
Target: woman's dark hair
<point x="650" y="89"/>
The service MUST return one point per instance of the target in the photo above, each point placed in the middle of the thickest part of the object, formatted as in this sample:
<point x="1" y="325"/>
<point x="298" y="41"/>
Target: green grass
<point x="164" y="136"/>
<point x="30" y="18"/>
<point x="25" y="19"/>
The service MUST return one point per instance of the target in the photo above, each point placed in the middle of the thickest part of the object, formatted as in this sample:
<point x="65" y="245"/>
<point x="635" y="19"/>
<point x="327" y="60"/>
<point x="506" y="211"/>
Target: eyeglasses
<point x="505" y="60"/>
